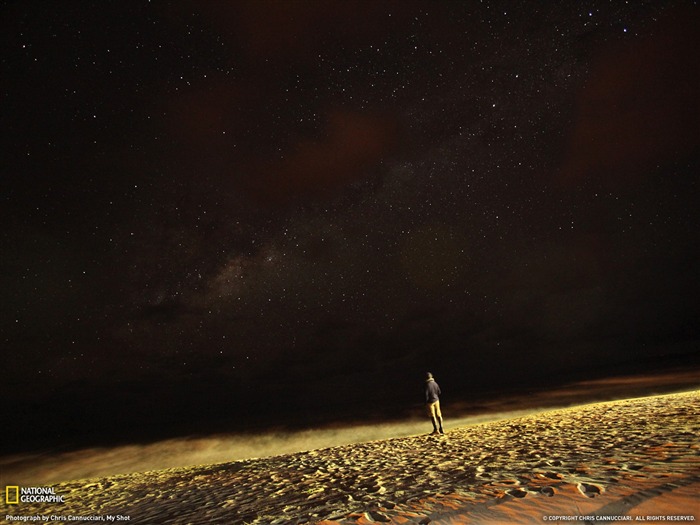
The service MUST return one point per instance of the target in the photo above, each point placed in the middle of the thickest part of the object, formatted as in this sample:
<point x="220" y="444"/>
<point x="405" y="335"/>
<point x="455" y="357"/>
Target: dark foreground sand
<point x="637" y="458"/>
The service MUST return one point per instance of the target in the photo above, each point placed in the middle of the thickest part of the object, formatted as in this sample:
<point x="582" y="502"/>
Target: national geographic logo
<point x="12" y="495"/>
<point x="15" y="495"/>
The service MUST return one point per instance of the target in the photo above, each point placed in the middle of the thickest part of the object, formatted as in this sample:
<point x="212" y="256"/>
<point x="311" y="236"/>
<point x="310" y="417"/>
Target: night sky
<point x="232" y="215"/>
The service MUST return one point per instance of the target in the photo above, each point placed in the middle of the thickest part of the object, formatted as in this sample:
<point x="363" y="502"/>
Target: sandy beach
<point x="630" y="460"/>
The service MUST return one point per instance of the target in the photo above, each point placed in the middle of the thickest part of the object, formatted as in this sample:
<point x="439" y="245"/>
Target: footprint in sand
<point x="509" y="482"/>
<point x="547" y="491"/>
<point x="588" y="490"/>
<point x="552" y="475"/>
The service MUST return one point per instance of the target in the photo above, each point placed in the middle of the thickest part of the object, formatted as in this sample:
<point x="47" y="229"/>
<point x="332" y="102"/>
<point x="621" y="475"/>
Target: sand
<point x="630" y="459"/>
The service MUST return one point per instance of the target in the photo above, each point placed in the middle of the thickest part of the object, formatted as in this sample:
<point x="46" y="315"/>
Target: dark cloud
<point x="298" y="31"/>
<point x="205" y="114"/>
<point x="352" y="147"/>
<point x="639" y="106"/>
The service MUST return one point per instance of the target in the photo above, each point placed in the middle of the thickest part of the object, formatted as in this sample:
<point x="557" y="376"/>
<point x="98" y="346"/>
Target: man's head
<point x="428" y="375"/>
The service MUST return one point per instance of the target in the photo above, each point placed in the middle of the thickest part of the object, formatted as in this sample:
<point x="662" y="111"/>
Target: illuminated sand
<point x="638" y="457"/>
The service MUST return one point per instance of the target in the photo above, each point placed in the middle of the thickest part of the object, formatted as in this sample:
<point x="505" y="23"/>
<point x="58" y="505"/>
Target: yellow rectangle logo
<point x="11" y="499"/>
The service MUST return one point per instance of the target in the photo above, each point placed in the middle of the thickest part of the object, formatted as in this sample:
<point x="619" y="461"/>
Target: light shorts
<point x="434" y="409"/>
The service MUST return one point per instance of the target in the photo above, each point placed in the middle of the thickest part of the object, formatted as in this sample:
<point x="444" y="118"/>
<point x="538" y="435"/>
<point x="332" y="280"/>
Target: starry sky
<point x="225" y="215"/>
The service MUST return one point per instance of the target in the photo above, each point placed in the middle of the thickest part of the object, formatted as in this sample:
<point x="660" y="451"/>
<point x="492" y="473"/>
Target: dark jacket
<point x="432" y="391"/>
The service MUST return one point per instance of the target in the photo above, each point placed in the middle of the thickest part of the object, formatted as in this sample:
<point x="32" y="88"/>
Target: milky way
<point x="292" y="210"/>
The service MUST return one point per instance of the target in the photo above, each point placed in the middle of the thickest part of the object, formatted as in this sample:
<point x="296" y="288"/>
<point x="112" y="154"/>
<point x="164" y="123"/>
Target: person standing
<point x="432" y="399"/>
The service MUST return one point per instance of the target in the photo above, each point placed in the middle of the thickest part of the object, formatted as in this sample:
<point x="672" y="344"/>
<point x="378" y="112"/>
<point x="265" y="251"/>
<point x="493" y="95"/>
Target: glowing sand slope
<point x="634" y="458"/>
